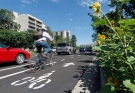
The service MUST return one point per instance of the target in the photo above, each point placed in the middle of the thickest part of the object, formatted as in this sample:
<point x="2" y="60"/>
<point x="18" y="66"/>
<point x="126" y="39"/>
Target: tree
<point x="6" y="19"/>
<point x="58" y="39"/>
<point x="73" y="40"/>
<point x="49" y="31"/>
<point x="127" y="7"/>
<point x="16" y="27"/>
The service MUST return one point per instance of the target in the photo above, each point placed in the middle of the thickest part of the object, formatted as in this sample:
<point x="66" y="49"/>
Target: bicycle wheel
<point x="37" y="66"/>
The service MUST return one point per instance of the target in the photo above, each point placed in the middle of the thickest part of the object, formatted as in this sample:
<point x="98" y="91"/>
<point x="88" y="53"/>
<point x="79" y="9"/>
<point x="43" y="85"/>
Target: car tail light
<point x="66" y="48"/>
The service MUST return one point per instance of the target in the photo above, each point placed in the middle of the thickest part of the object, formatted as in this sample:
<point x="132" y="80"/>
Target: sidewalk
<point x="90" y="81"/>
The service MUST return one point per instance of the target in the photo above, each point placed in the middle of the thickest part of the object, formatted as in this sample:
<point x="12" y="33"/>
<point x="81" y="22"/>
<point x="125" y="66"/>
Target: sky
<point x="60" y="14"/>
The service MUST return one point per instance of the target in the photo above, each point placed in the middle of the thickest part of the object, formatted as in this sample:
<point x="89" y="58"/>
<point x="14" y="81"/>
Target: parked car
<point x="9" y="54"/>
<point x="89" y="50"/>
<point x="82" y="50"/>
<point x="65" y="48"/>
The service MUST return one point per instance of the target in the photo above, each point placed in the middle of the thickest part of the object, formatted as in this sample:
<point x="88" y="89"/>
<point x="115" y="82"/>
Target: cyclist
<point x="43" y="42"/>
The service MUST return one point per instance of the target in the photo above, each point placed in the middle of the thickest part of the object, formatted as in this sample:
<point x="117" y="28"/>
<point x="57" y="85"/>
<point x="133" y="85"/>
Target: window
<point x="2" y="45"/>
<point x="61" y="33"/>
<point x="67" y="34"/>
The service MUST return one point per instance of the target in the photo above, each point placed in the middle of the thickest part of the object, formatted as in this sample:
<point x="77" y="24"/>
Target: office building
<point x="62" y="33"/>
<point x="28" y="21"/>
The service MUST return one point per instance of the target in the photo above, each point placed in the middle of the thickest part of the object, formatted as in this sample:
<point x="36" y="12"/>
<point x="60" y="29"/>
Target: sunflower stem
<point x="112" y="26"/>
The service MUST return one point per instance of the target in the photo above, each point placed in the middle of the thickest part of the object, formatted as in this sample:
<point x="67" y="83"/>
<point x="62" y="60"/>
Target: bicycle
<point x="42" y="61"/>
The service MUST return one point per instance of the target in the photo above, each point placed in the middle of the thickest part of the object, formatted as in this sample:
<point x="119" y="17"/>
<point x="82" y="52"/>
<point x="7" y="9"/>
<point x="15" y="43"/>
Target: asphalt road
<point x="61" y="78"/>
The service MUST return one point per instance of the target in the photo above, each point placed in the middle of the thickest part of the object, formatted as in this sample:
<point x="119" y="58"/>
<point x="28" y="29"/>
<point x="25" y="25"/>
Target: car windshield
<point x="3" y="45"/>
<point x="61" y="44"/>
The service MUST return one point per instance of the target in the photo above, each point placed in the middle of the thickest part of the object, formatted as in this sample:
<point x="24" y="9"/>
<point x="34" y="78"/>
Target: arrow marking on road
<point x="67" y="64"/>
<point x="62" y="59"/>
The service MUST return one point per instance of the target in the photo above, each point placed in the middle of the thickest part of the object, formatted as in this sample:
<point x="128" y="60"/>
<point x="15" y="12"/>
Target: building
<point x="28" y="21"/>
<point x="63" y="33"/>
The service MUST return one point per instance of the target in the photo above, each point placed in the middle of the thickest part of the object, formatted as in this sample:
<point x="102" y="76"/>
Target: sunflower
<point x="99" y="35"/>
<point x="112" y="22"/>
<point x="115" y="83"/>
<point x="98" y="42"/>
<point x="103" y="37"/>
<point x="96" y="8"/>
<point x="109" y="79"/>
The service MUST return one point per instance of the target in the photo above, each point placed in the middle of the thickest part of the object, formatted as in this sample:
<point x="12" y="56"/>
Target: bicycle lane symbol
<point x="33" y="81"/>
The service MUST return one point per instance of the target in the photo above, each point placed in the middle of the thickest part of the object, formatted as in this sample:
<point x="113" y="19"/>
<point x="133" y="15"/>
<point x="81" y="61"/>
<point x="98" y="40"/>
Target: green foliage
<point x="73" y="40"/>
<point x="108" y="88"/>
<point x="118" y="59"/>
<point x="99" y="22"/>
<point x="17" y="39"/>
<point x="116" y="51"/>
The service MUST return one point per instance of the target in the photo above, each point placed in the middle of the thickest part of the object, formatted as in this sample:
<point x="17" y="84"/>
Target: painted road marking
<point x="33" y="81"/>
<point x="62" y="59"/>
<point x="14" y="67"/>
<point x="13" y="74"/>
<point x="67" y="64"/>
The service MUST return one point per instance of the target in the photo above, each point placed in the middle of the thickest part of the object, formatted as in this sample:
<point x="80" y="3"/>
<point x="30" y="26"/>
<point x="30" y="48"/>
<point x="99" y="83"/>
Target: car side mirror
<point x="8" y="47"/>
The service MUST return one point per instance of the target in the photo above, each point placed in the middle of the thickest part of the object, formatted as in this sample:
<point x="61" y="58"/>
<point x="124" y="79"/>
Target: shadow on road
<point x="89" y="77"/>
<point x="7" y="64"/>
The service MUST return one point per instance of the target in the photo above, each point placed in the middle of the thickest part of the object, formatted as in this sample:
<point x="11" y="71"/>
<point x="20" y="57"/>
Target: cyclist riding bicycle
<point x="42" y="41"/>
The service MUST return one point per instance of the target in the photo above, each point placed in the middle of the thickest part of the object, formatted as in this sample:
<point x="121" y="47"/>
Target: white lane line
<point x="62" y="59"/>
<point x="6" y="76"/>
<point x="14" y="67"/>
<point x="72" y="57"/>
<point x="14" y="74"/>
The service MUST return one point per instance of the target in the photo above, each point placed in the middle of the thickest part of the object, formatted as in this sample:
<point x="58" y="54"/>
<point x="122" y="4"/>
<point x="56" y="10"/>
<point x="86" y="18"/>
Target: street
<point x="61" y="78"/>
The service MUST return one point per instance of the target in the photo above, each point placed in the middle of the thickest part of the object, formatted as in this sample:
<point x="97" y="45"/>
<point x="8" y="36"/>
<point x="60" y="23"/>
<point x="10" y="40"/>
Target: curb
<point x="102" y="78"/>
<point x="77" y="88"/>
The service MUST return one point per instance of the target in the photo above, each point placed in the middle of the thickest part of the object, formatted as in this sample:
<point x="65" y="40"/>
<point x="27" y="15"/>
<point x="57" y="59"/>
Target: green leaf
<point x="131" y="59"/>
<point x="100" y="22"/>
<point x="105" y="48"/>
<point x="107" y="89"/>
<point x="96" y="48"/>
<point x="130" y="85"/>
<point x="129" y="48"/>
<point x="127" y="22"/>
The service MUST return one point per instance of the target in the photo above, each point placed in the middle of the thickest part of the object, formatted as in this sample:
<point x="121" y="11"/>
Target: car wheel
<point x="20" y="58"/>
<point x="58" y="53"/>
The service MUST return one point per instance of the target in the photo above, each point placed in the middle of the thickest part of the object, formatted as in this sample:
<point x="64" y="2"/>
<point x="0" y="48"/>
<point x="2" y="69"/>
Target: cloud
<point x="71" y="19"/>
<point x="26" y="1"/>
<point x="35" y="1"/>
<point x="89" y="2"/>
<point x="55" y="0"/>
<point x="68" y="14"/>
<point x="23" y="6"/>
<point x="85" y="2"/>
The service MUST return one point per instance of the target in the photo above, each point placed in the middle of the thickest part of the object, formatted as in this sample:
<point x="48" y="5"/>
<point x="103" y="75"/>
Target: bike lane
<point x="57" y="79"/>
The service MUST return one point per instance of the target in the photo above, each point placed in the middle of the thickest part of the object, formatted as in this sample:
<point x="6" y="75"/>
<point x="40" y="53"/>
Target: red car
<point x="9" y="54"/>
